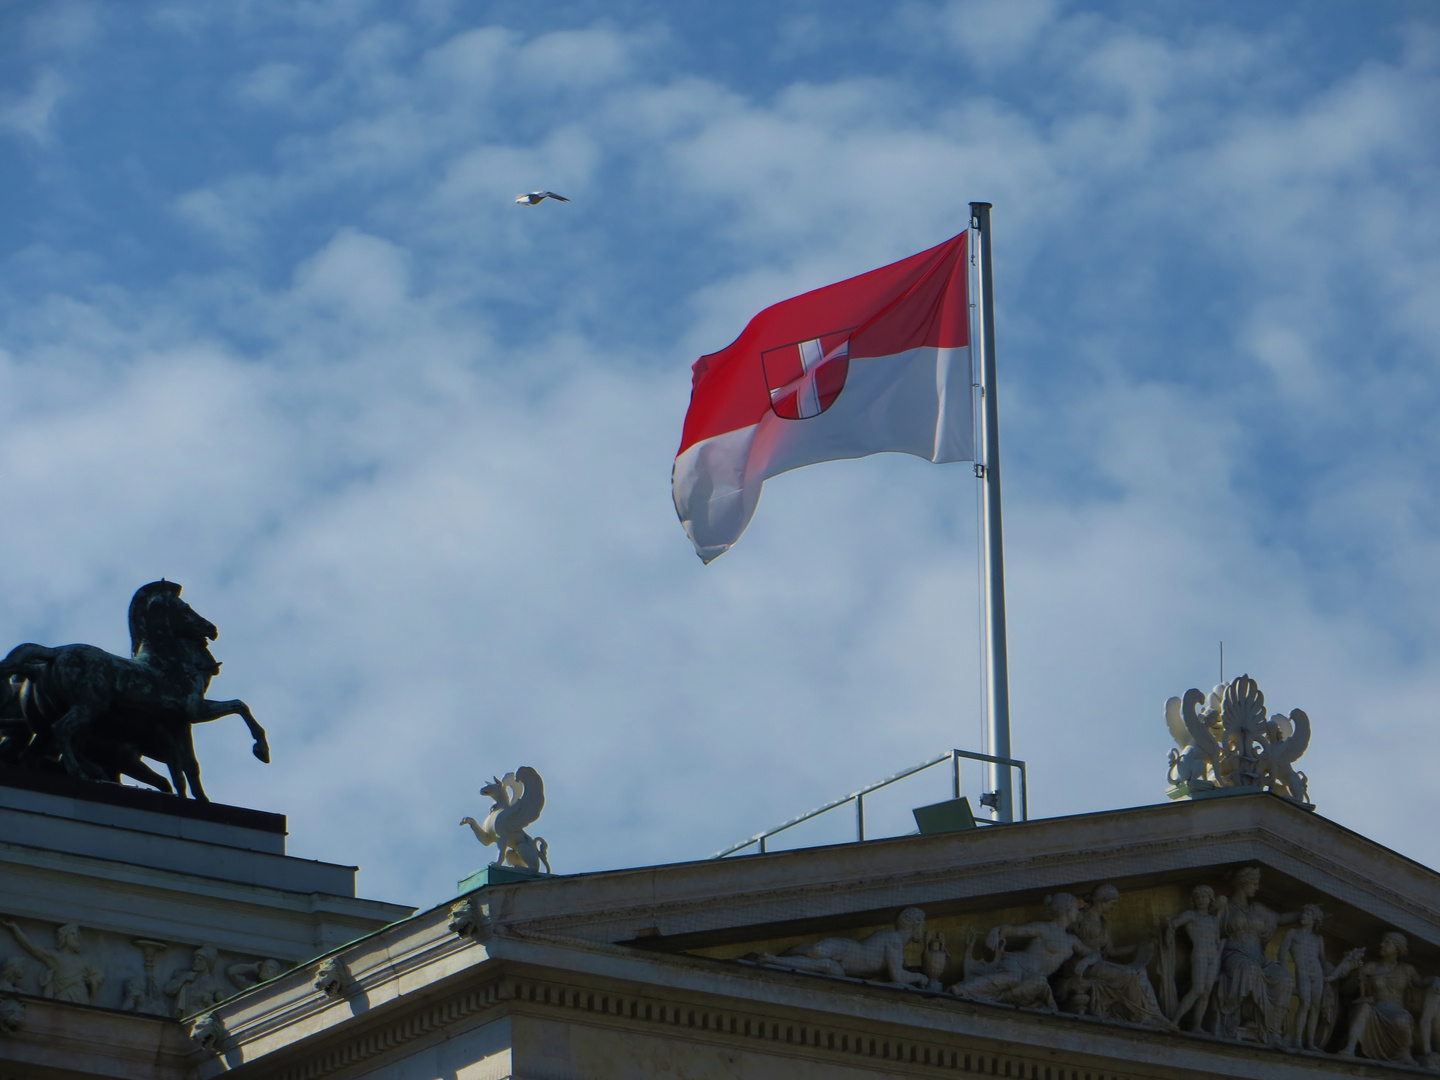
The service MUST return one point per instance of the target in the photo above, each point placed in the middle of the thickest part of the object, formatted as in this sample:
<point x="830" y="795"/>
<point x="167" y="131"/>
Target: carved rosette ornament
<point x="1226" y="745"/>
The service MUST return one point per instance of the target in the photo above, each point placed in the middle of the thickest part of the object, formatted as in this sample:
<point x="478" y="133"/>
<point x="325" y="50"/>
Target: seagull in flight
<point x="538" y="197"/>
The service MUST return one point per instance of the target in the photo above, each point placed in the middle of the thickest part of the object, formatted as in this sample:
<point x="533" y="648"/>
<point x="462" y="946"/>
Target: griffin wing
<point x="516" y="787"/>
<point x="1289" y="751"/>
<point x="1176" y="723"/>
<point x="1198" y="732"/>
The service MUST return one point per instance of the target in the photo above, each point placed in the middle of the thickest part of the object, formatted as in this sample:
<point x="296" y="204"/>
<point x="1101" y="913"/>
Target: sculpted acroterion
<point x="1225" y="742"/>
<point x="517" y="801"/>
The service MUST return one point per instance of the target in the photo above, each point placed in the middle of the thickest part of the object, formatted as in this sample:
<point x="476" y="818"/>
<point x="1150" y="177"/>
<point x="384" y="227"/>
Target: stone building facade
<point x="951" y="955"/>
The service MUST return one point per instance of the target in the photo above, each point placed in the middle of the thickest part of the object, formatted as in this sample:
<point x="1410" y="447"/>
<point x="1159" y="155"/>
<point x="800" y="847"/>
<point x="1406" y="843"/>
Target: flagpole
<point x="997" y="698"/>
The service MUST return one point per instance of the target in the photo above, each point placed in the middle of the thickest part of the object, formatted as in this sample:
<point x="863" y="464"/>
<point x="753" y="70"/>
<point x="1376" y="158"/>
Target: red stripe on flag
<point x="916" y="302"/>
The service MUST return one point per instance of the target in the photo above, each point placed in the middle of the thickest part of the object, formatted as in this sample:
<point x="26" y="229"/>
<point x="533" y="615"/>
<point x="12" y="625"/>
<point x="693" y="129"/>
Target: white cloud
<point x="272" y="85"/>
<point x="410" y="451"/>
<point x="33" y="112"/>
<point x="995" y="32"/>
<point x="567" y="58"/>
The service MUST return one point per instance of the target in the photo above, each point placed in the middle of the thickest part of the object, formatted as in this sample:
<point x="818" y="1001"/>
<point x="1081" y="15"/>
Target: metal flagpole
<point x="997" y="700"/>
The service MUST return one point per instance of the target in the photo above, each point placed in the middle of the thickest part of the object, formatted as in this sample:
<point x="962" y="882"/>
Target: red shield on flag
<point x="805" y="377"/>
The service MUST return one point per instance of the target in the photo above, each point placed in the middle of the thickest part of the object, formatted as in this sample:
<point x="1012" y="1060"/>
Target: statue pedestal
<point x="495" y="874"/>
<point x="1205" y="789"/>
<point x="149" y="879"/>
<point x="1197" y="789"/>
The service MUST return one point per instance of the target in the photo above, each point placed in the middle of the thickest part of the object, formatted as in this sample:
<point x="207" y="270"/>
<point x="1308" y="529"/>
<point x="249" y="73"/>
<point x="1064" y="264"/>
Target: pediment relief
<point x="1237" y="952"/>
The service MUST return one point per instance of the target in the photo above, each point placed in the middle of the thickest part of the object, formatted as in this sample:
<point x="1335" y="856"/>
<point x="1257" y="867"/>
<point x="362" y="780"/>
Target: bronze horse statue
<point x="98" y="715"/>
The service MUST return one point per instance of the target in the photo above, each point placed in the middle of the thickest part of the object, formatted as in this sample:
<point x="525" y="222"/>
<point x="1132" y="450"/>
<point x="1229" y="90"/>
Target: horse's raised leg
<point x="209" y="710"/>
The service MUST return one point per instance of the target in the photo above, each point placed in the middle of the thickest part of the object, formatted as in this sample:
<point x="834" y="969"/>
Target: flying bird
<point x="539" y="196"/>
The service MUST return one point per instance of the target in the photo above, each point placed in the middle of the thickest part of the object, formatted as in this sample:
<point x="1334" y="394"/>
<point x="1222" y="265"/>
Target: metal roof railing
<point x="858" y="798"/>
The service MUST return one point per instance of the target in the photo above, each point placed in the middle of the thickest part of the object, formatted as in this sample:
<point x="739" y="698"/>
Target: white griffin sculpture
<point x="1225" y="741"/>
<point x="518" y="799"/>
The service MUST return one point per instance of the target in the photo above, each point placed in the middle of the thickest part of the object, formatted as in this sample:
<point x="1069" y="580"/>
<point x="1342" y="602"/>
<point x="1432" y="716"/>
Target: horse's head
<point x="157" y="610"/>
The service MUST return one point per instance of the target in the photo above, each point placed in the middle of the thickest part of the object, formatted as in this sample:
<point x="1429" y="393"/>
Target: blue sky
<point x="272" y="326"/>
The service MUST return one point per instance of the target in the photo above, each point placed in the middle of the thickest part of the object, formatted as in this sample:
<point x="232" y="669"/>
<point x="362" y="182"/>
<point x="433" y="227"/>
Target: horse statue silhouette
<point x="518" y="799"/>
<point x="97" y="715"/>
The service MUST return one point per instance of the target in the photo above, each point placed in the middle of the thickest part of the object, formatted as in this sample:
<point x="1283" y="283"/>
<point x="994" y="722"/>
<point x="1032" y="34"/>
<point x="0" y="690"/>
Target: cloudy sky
<point x="272" y="326"/>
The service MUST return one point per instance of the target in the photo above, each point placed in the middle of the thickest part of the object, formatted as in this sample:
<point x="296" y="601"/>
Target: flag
<point x="874" y="363"/>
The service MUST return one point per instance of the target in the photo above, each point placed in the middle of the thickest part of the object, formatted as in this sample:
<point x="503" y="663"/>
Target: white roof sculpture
<point x="1226" y="745"/>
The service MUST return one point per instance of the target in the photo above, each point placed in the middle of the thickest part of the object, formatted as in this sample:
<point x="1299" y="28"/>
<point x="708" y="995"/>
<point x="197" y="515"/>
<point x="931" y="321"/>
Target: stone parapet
<point x="152" y="905"/>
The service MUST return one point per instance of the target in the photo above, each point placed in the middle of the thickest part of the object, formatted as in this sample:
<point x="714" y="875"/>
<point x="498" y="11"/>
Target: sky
<point x="272" y="326"/>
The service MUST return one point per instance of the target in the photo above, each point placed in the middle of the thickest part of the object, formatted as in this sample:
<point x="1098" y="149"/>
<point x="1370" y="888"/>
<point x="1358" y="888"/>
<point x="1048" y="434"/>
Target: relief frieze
<point x="80" y="965"/>
<point x="1208" y="960"/>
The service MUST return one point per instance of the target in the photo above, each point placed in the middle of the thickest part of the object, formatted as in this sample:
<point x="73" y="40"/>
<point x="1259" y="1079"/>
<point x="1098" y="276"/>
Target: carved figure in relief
<point x="1023" y="978"/>
<point x="518" y="800"/>
<point x="12" y="977"/>
<point x="1202" y="925"/>
<point x="1305" y="949"/>
<point x="879" y="958"/>
<point x="253" y="973"/>
<point x="1380" y="1024"/>
<point x="132" y="995"/>
<point x="68" y="976"/>
<point x="1253" y="992"/>
<point x="1115" y="986"/>
<point x="197" y="988"/>
<point x="1428" y="1033"/>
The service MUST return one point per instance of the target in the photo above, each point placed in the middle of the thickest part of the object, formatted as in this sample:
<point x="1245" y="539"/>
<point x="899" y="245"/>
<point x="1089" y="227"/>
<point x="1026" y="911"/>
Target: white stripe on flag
<point x="916" y="402"/>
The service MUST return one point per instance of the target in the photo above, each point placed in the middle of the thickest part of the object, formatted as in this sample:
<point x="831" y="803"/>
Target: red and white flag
<point x="878" y="362"/>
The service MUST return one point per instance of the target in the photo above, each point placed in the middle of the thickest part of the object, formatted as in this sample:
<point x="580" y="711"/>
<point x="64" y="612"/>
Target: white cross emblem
<point x="805" y="387"/>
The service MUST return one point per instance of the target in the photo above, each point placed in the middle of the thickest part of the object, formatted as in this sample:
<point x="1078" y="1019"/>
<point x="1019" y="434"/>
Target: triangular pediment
<point x="691" y="958"/>
<point x="1146" y="900"/>
<point x="1249" y="902"/>
<point x="1154" y="854"/>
